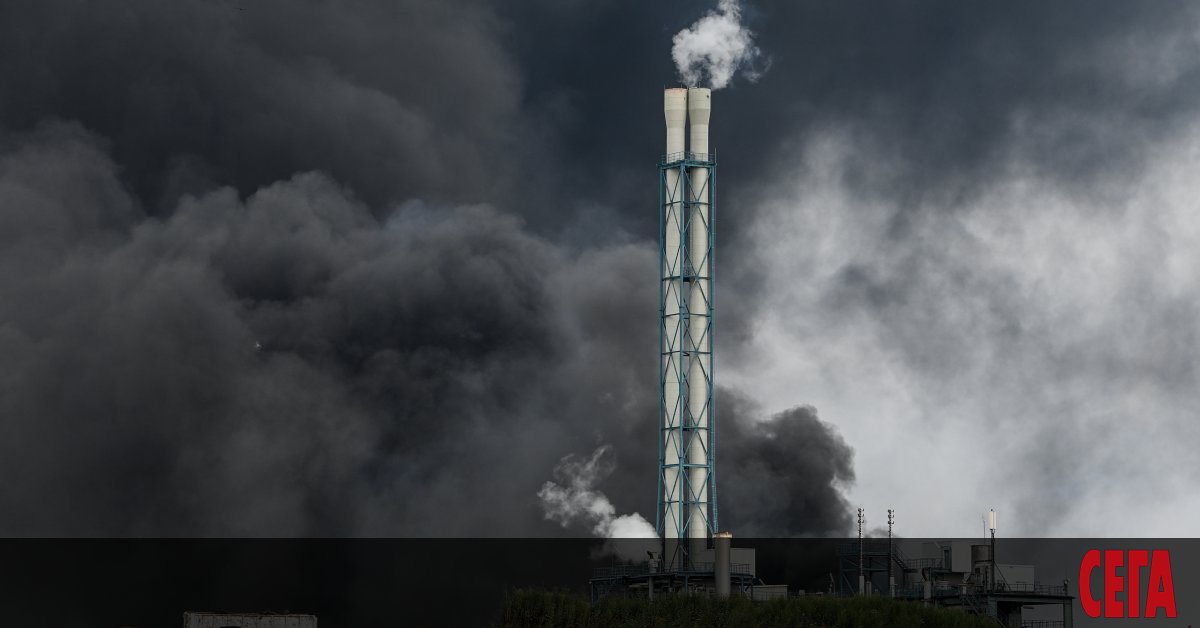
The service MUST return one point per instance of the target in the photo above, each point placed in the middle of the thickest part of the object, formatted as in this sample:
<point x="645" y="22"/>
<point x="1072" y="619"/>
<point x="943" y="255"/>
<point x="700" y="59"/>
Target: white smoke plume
<point x="573" y="499"/>
<point x="716" y="47"/>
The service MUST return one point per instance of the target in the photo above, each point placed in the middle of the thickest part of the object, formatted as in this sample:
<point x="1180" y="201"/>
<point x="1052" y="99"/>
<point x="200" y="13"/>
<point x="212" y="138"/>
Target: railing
<point x="1036" y="589"/>
<point x="671" y="158"/>
<point x="917" y="591"/>
<point x="980" y="608"/>
<point x="943" y="589"/>
<point x="734" y="568"/>
<point x="619" y="570"/>
<point x="922" y="563"/>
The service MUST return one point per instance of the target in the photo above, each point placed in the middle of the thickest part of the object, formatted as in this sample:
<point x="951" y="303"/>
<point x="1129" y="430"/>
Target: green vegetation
<point x="541" y="609"/>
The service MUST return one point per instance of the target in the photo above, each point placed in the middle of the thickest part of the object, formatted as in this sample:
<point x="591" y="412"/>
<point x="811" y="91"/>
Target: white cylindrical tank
<point x="675" y="113"/>
<point x="699" y="101"/>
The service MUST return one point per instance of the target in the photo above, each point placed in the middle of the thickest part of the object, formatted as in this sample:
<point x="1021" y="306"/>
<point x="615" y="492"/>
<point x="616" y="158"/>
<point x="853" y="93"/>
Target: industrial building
<point x="957" y="574"/>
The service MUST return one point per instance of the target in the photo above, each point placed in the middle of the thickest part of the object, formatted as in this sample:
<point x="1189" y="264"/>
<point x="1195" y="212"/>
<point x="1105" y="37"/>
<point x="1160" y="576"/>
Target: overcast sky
<point x="375" y="267"/>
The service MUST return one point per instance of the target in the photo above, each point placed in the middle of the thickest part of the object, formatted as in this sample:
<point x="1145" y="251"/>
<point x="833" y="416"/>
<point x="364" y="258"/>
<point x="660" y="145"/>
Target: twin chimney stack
<point x="687" y="512"/>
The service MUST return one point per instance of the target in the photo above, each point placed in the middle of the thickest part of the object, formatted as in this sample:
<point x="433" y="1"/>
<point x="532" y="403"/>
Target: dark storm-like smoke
<point x="784" y="476"/>
<point x="288" y="363"/>
<point x="221" y="313"/>
<point x="282" y="364"/>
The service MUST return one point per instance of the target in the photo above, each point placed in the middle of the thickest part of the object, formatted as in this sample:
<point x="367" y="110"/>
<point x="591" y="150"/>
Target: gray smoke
<point x="784" y="476"/>
<point x="779" y="476"/>
<point x="280" y="364"/>
<point x="287" y="363"/>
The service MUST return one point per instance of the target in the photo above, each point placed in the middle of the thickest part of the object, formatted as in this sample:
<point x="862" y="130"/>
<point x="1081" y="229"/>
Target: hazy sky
<point x="376" y="267"/>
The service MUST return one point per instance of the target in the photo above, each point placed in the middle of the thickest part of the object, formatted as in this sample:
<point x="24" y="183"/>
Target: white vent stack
<point x="675" y="110"/>
<point x="699" y="100"/>
<point x="687" y="509"/>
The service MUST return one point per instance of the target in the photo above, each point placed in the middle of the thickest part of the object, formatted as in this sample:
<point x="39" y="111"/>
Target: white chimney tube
<point x="699" y="101"/>
<point x="675" y="112"/>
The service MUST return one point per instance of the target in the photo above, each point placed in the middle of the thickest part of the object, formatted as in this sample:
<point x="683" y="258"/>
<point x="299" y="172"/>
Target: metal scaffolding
<point x="686" y="436"/>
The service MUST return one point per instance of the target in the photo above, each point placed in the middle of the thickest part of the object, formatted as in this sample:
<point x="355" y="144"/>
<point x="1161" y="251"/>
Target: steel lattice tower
<point x="687" y="505"/>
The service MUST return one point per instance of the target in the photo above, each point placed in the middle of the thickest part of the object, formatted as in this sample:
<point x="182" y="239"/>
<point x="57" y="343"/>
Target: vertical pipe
<point x="673" y="410"/>
<point x="992" y="527"/>
<point x="721" y="543"/>
<point x="992" y="580"/>
<point x="699" y="102"/>
<point x="713" y="522"/>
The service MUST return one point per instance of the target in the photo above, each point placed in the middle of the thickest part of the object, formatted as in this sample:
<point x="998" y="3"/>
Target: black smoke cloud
<point x="287" y="363"/>
<point x="282" y="364"/>
<point x="388" y="98"/>
<point x="783" y="475"/>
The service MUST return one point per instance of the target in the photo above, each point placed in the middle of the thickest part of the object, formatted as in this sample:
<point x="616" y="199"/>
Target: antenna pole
<point x="861" y="576"/>
<point x="891" y="557"/>
<point x="992" y="528"/>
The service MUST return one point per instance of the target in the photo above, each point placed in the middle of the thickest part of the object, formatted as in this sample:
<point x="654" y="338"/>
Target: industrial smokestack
<point x="687" y="515"/>
<point x="671" y="492"/>
<point x="699" y="101"/>
<point x="699" y="108"/>
<point x="675" y="109"/>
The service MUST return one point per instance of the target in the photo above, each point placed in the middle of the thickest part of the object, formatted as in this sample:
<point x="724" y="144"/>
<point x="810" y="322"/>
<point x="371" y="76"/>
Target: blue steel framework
<point x="676" y="501"/>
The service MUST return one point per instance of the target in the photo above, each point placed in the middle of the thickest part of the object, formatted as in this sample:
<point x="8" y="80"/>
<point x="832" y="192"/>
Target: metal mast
<point x="992" y="527"/>
<point x="891" y="555"/>
<point x="862" y="581"/>
<point x="686" y="518"/>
